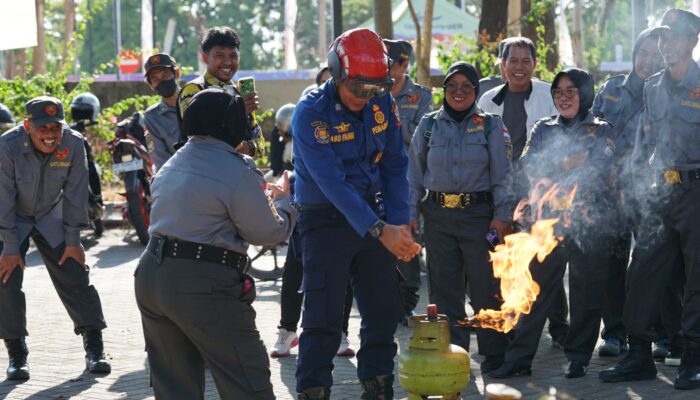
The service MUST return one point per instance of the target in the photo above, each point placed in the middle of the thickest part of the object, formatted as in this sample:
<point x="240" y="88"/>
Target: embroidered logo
<point x="50" y="109"/>
<point x="61" y="154"/>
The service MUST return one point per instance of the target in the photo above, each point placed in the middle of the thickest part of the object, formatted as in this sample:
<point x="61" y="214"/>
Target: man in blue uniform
<point x="668" y="142"/>
<point x="352" y="194"/>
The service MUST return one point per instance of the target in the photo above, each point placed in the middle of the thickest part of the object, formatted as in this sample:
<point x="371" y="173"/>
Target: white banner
<point x="17" y="24"/>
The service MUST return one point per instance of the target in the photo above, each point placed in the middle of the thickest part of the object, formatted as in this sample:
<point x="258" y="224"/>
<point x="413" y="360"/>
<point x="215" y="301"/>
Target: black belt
<point x="459" y="200"/>
<point x="674" y="176"/>
<point x="175" y="248"/>
<point x="374" y="200"/>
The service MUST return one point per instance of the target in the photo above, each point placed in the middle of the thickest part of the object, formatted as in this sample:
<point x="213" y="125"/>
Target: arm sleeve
<point x="8" y="193"/>
<point x="530" y="152"/>
<point x="597" y="108"/>
<point x="75" y="197"/>
<point x="326" y="169"/>
<point x="257" y="221"/>
<point x="186" y="94"/>
<point x="500" y="170"/>
<point x="392" y="170"/>
<point x="417" y="164"/>
<point x="160" y="151"/>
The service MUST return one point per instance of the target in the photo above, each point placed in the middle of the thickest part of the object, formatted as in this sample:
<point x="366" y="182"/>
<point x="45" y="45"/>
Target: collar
<point x="214" y="81"/>
<point x="163" y="108"/>
<point x="25" y="141"/>
<point x="690" y="80"/>
<point x="407" y="89"/>
<point x="589" y="119"/>
<point x="443" y="114"/>
<point x="198" y="140"/>
<point x="501" y="95"/>
<point x="633" y="83"/>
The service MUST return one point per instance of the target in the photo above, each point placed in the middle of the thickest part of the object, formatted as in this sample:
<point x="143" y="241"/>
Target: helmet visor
<point x="365" y="89"/>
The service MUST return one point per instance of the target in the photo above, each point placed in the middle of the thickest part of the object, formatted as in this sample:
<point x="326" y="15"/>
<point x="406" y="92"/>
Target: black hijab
<point x="634" y="82"/>
<point x="584" y="83"/>
<point x="468" y="70"/>
<point x="216" y="113"/>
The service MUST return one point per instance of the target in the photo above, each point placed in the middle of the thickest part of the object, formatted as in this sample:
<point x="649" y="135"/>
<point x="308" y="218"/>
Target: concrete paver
<point x="57" y="364"/>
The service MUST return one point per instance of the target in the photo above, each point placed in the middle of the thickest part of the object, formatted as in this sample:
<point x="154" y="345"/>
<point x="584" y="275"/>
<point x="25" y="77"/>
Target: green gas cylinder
<point x="432" y="366"/>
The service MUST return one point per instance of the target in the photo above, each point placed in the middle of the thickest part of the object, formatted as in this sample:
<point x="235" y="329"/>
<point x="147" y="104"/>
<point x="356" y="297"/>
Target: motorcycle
<point x="133" y="162"/>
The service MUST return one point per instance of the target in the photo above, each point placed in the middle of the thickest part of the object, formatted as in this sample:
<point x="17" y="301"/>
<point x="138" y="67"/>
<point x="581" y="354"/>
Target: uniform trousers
<point x="409" y="283"/>
<point x="660" y="249"/>
<point x="195" y="314"/>
<point x="587" y="277"/>
<point x="333" y="254"/>
<point x="614" y="302"/>
<point x="457" y="256"/>
<point x="71" y="281"/>
<point x="291" y="298"/>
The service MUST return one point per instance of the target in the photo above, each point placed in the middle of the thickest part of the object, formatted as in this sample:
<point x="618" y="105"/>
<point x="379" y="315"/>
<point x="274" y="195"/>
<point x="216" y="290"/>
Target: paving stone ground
<point x="56" y="354"/>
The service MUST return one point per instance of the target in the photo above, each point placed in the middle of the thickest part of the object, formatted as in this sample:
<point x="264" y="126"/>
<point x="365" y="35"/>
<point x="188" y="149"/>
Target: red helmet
<point x="359" y="54"/>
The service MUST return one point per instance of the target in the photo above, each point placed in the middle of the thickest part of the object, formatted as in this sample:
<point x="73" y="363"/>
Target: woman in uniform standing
<point x="459" y="173"/>
<point x="191" y="286"/>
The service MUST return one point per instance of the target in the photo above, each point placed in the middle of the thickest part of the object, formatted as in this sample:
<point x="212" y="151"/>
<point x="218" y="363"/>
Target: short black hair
<point x="320" y="74"/>
<point x="220" y="36"/>
<point x="519" y="41"/>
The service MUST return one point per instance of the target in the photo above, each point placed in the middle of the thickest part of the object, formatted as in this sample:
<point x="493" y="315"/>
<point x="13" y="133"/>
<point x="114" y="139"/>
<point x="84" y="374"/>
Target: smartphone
<point x="492" y="237"/>
<point x="246" y="85"/>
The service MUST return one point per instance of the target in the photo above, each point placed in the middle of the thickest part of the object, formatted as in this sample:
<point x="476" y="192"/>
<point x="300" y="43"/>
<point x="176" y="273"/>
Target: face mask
<point x="167" y="88"/>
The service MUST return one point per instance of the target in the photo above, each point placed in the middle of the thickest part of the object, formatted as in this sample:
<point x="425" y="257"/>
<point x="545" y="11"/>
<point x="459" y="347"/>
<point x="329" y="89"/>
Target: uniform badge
<point x="149" y="142"/>
<point x="694" y="93"/>
<point x="322" y="135"/>
<point x="477" y="119"/>
<point x="609" y="149"/>
<point x="395" y="111"/>
<point x="378" y="157"/>
<point x="338" y="107"/>
<point x="413" y="99"/>
<point x="378" y="116"/>
<point x="342" y="128"/>
<point x="50" y="109"/>
<point x="61" y="154"/>
<point x="154" y="59"/>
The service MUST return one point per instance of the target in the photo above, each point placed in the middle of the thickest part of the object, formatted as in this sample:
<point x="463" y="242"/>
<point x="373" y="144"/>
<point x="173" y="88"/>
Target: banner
<point x="17" y="24"/>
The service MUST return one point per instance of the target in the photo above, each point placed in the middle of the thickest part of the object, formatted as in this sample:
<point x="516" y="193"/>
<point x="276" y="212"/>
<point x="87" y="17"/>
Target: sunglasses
<point x="366" y="90"/>
<point x="569" y="93"/>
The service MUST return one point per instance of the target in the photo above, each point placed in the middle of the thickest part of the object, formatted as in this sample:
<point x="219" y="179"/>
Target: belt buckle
<point x="467" y="198"/>
<point x="672" y="177"/>
<point x="451" y="200"/>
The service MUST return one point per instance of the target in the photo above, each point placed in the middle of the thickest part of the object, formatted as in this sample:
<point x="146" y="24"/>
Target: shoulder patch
<point x="321" y="132"/>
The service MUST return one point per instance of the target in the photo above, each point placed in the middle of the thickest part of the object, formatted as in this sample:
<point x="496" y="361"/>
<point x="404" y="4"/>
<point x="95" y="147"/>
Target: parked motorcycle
<point x="84" y="109"/>
<point x="132" y="161"/>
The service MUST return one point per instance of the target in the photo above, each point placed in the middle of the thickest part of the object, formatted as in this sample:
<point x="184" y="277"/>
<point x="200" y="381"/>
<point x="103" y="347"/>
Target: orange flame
<point x="511" y="260"/>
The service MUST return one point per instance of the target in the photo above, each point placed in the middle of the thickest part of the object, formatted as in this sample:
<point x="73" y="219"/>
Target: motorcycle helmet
<point x="6" y="119"/>
<point x="283" y="118"/>
<point x="85" y="107"/>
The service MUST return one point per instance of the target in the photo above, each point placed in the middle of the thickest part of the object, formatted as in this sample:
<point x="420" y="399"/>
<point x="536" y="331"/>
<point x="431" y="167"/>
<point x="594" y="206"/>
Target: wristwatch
<point x="376" y="230"/>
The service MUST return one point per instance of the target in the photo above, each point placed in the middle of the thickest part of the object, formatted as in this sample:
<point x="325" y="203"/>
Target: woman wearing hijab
<point x="191" y="283"/>
<point x="459" y="174"/>
<point x="573" y="149"/>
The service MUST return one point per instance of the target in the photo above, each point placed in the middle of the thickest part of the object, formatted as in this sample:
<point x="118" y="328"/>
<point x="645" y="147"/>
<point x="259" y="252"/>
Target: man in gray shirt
<point x="44" y="195"/>
<point x="163" y="130"/>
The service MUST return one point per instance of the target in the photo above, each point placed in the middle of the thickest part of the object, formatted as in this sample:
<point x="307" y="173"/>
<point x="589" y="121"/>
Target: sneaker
<point x="660" y="350"/>
<point x="285" y="341"/>
<point x="612" y="347"/>
<point x="673" y="357"/>
<point x="344" y="349"/>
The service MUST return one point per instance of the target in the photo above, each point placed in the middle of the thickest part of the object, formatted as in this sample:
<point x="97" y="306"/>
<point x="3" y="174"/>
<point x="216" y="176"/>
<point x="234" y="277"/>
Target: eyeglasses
<point x="568" y="92"/>
<point x="453" y="87"/>
<point x="366" y="90"/>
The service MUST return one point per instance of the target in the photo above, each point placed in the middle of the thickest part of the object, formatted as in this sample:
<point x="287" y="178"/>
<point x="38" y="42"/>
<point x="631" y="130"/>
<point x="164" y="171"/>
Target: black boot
<point x="637" y="366"/>
<point x="17" y="352"/>
<point x="95" y="361"/>
<point x="315" y="393"/>
<point x="378" y="388"/>
<point x="688" y="376"/>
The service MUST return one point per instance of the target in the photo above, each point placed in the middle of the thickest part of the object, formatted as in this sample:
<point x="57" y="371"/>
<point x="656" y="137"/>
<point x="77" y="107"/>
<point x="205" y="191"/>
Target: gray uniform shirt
<point x="620" y="103"/>
<point x="46" y="192"/>
<point x="413" y="102"/>
<point x="668" y="137"/>
<point x="207" y="193"/>
<point x="162" y="133"/>
<point x="460" y="158"/>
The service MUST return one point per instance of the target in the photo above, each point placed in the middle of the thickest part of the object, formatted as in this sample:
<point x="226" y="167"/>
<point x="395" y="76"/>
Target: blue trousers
<point x="334" y="253"/>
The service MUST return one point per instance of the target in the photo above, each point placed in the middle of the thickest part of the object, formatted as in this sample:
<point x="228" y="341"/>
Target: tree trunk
<point x="68" y="31"/>
<point x="39" y="58"/>
<point x="423" y="71"/>
<point x="639" y="14"/>
<point x="290" y="17"/>
<point x="547" y="20"/>
<point x="604" y="15"/>
<point x="550" y="36"/>
<point x="22" y="63"/>
<point x="493" y="22"/>
<point x="382" y="19"/>
<point x="577" y="34"/>
<point x="322" y="31"/>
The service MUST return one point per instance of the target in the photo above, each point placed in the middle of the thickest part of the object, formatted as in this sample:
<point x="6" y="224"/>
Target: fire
<point x="511" y="260"/>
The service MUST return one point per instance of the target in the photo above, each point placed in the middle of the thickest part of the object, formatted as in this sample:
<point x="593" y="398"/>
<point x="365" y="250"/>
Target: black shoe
<point x="612" y="347"/>
<point x="95" y="361"/>
<point x="406" y="316"/>
<point x="637" y="366"/>
<point x="378" y="388"/>
<point x="660" y="350"/>
<point x="315" y="393"/>
<point x="575" y="370"/>
<point x="17" y="352"/>
<point x="674" y="355"/>
<point x="509" y="370"/>
<point x="688" y="376"/>
<point x="491" y="363"/>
